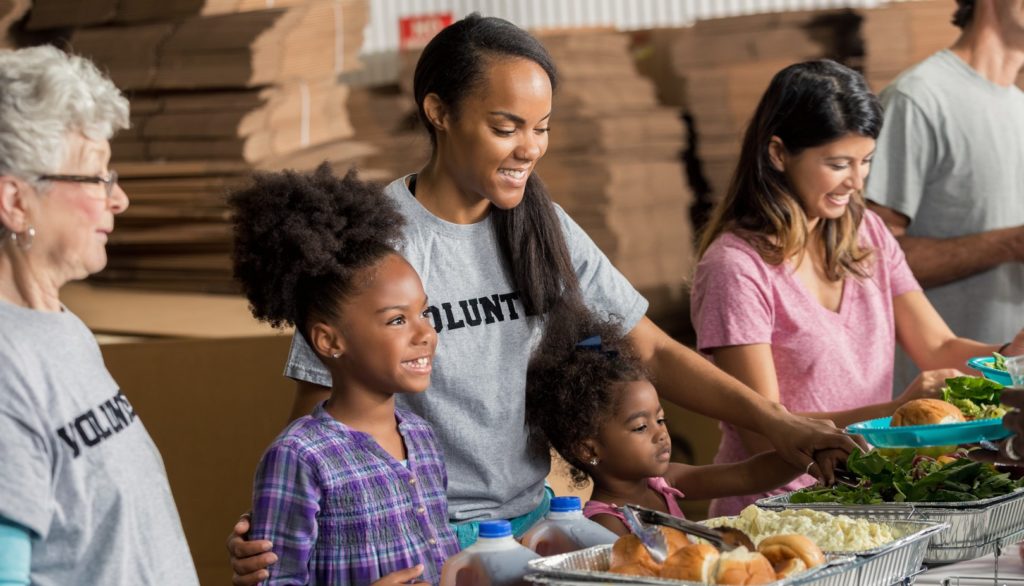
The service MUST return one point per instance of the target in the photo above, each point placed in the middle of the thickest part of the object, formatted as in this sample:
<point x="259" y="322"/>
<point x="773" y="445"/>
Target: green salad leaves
<point x="976" y="397"/>
<point x="908" y="477"/>
<point x="998" y="361"/>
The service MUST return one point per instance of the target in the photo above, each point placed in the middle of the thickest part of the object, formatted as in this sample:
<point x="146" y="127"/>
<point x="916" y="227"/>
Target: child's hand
<point x="402" y="577"/>
<point x="249" y="559"/>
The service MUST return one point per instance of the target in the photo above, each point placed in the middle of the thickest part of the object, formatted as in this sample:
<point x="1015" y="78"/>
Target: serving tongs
<point x="844" y="476"/>
<point x="649" y="535"/>
<point x="724" y="538"/>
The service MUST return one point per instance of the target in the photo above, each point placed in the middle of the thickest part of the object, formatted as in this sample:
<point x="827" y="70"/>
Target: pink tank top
<point x="656" y="483"/>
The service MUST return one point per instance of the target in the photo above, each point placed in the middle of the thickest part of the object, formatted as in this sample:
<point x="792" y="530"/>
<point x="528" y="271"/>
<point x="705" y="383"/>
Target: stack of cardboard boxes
<point x="899" y="35"/>
<point x="613" y="164"/>
<point x="245" y="86"/>
<point x="384" y="117"/>
<point x="218" y="88"/>
<point x="717" y="70"/>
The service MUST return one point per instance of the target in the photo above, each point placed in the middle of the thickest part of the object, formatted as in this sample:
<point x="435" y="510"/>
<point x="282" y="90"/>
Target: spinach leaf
<point x="907" y="477"/>
<point x="979" y="390"/>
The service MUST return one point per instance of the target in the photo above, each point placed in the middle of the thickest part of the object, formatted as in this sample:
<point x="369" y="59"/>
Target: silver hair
<point x="45" y="94"/>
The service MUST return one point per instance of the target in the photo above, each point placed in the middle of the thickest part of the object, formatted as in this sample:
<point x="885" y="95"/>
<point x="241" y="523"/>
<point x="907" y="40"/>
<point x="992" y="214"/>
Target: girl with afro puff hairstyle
<point x="355" y="492"/>
<point x="590" y="398"/>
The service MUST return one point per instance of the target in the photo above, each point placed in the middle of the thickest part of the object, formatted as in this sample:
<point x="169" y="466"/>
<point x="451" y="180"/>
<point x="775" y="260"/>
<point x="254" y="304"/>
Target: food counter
<point x="983" y="571"/>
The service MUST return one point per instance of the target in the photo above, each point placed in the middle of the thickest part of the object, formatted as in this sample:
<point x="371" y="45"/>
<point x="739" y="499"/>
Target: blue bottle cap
<point x="565" y="504"/>
<point x="495" y="529"/>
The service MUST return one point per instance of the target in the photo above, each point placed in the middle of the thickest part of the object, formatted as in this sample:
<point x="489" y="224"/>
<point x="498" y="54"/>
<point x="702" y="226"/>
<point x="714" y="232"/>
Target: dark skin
<point x="633" y="445"/>
<point x="393" y="350"/>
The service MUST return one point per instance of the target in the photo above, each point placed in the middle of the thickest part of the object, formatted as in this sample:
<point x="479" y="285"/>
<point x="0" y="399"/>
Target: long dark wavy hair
<point x="806" y="105"/>
<point x="453" y="65"/>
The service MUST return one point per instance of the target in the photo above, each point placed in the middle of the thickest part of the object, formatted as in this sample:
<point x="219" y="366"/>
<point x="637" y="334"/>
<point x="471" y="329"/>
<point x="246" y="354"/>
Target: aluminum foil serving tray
<point x="882" y="566"/>
<point x="976" y="528"/>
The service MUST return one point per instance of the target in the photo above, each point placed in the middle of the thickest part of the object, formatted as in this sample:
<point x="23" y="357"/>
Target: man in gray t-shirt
<point x="948" y="175"/>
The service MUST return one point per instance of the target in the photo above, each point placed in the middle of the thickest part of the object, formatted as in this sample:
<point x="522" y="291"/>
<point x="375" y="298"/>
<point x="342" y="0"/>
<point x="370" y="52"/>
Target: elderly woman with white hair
<point x="84" y="497"/>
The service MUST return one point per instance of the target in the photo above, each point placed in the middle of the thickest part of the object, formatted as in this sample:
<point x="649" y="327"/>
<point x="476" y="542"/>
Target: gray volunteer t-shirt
<point x="476" y="400"/>
<point x="77" y="466"/>
<point x="951" y="158"/>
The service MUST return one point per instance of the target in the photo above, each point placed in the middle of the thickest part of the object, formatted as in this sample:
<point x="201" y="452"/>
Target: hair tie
<point x="593" y="343"/>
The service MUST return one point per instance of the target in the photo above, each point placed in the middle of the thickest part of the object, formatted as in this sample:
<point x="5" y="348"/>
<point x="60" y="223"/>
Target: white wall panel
<point x="382" y="36"/>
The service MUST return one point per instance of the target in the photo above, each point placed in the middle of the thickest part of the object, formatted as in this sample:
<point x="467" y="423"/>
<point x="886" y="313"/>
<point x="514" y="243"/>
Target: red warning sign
<point x="416" y="31"/>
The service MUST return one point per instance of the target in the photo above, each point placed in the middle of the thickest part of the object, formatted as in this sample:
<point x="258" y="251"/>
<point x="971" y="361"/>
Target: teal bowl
<point x="983" y="364"/>
<point x="879" y="433"/>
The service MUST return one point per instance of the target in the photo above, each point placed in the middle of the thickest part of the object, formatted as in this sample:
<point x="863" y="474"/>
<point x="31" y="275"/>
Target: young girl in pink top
<point x="801" y="292"/>
<point x="589" y="397"/>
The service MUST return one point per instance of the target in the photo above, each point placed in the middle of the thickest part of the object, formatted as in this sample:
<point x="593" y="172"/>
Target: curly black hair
<point x="303" y="239"/>
<point x="571" y="391"/>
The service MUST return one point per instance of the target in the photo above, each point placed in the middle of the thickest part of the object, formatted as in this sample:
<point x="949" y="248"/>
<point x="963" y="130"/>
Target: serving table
<point x="986" y="570"/>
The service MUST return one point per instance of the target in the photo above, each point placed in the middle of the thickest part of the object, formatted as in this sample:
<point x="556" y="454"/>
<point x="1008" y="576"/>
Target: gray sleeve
<point x="304" y="365"/>
<point x="605" y="290"/>
<point x="905" y="153"/>
<point x="25" y="477"/>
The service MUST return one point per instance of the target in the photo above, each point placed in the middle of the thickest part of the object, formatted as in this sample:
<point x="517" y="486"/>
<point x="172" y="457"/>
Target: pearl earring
<point x="25" y="239"/>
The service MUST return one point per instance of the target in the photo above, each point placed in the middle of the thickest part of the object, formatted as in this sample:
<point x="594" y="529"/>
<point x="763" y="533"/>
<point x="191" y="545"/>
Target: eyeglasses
<point x="108" y="182"/>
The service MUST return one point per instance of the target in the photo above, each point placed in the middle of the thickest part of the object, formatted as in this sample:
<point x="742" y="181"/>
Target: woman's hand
<point x="928" y="385"/>
<point x="249" y="559"/>
<point x="1016" y="347"/>
<point x="402" y="577"/>
<point x="810" y="444"/>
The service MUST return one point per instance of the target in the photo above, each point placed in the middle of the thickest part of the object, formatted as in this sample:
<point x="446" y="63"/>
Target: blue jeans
<point x="467" y="532"/>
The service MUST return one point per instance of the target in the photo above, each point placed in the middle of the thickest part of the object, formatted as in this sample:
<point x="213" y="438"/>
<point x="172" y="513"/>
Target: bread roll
<point x="788" y="567"/>
<point x="629" y="552"/>
<point x="695" y="563"/>
<point x="675" y="539"/>
<point x="743" y="567"/>
<point x="633" y="570"/>
<point x="926" y="412"/>
<point x="779" y="549"/>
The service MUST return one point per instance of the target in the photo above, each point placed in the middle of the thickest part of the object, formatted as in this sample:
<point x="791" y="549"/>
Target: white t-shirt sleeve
<point x="905" y="152"/>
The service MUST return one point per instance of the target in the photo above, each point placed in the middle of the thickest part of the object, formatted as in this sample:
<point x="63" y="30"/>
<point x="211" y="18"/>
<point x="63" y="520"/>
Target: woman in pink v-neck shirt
<point x="801" y="293"/>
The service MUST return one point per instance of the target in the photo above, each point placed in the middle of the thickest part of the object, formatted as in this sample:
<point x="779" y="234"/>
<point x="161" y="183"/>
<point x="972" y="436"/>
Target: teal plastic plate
<point x="878" y="433"/>
<point x="983" y="364"/>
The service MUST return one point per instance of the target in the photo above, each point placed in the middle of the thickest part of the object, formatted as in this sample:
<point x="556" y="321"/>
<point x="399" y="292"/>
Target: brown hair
<point x="806" y="105"/>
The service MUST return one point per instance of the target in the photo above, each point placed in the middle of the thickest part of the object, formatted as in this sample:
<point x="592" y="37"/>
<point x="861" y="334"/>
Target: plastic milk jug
<point x="565" y="529"/>
<point x="496" y="559"/>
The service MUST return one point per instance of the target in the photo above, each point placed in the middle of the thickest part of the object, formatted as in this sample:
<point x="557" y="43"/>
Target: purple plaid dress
<point x="341" y="510"/>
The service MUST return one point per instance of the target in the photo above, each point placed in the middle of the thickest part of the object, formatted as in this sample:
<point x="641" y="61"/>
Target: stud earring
<point x="25" y="239"/>
<point x="336" y="355"/>
<point x="593" y="462"/>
